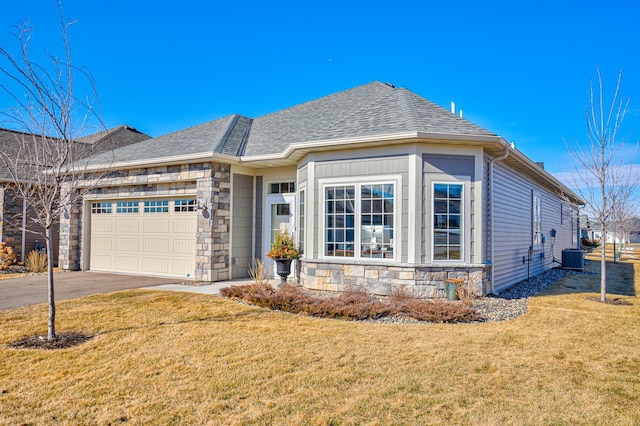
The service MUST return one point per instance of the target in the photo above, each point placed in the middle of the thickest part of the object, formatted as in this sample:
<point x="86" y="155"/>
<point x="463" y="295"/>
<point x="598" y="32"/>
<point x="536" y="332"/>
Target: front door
<point x="280" y="216"/>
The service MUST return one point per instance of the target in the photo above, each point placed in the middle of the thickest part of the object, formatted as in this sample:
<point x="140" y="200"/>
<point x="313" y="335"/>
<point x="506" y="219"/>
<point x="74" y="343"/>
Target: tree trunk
<point x="603" y="269"/>
<point x="52" y="305"/>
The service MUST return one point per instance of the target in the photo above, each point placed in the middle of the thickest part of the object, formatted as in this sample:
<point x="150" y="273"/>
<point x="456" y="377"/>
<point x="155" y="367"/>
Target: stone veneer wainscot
<point x="383" y="279"/>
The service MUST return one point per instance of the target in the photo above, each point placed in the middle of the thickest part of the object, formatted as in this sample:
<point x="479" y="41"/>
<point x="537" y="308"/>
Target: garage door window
<point x="127" y="207"/>
<point x="156" y="206"/>
<point x="100" y="208"/>
<point x="184" y="206"/>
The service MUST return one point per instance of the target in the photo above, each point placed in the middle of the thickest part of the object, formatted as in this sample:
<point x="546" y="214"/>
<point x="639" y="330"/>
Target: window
<point x="184" y="206"/>
<point x="537" y="223"/>
<point x="301" y="221"/>
<point x="127" y="207"/>
<point x="283" y="188"/>
<point x="156" y="206"/>
<point x="447" y="221"/>
<point x="359" y="220"/>
<point x="101" y="208"/>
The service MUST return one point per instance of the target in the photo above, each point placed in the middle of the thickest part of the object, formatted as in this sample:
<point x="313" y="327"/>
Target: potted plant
<point x="283" y="251"/>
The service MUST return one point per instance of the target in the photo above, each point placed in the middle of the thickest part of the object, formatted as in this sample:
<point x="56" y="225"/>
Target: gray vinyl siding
<point x="258" y="218"/>
<point x="302" y="175"/>
<point x="450" y="167"/>
<point x="360" y="167"/>
<point x="513" y="221"/>
<point x="241" y="223"/>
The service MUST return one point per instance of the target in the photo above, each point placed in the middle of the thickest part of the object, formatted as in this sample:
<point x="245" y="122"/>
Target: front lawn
<point x="176" y="358"/>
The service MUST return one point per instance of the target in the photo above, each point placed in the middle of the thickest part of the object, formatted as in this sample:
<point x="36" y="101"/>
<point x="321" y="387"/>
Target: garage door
<point x="145" y="237"/>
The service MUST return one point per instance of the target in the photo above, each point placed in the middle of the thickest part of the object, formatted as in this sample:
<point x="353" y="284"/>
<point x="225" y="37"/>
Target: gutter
<point x="491" y="221"/>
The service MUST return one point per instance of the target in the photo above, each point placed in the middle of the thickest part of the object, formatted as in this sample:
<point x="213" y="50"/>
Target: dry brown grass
<point x="37" y="261"/>
<point x="176" y="358"/>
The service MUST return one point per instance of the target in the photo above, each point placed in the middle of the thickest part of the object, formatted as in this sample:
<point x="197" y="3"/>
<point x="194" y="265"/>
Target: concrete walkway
<point x="32" y="290"/>
<point x="213" y="289"/>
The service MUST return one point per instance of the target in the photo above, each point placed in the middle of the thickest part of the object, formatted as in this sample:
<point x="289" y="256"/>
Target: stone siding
<point x="383" y="279"/>
<point x="211" y="185"/>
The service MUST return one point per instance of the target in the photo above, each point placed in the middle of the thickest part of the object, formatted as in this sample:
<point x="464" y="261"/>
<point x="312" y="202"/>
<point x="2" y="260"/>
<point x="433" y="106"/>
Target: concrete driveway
<point x="32" y="290"/>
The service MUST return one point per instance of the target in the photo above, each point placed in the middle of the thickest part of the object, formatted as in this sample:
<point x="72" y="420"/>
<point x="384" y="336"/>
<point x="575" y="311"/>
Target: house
<point x="15" y="227"/>
<point x="381" y="187"/>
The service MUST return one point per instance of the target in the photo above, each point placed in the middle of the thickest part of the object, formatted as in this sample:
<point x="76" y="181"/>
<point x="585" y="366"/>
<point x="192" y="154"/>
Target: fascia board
<point x="164" y="161"/>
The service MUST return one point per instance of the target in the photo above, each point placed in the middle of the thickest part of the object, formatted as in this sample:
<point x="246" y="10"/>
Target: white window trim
<point x="301" y="225"/>
<point x="358" y="181"/>
<point x="463" y="220"/>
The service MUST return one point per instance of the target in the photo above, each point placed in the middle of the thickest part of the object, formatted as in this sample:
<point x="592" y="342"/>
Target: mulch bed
<point x="14" y="269"/>
<point x="62" y="341"/>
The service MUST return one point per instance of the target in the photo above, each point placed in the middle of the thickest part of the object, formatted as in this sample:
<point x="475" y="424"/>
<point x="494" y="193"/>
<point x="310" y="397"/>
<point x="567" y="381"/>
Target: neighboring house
<point x="16" y="228"/>
<point x="381" y="187"/>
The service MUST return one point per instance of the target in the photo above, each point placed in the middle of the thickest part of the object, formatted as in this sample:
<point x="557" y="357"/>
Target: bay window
<point x="448" y="221"/>
<point x="359" y="220"/>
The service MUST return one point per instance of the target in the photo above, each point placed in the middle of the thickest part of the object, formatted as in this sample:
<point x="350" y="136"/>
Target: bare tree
<point x="48" y="166"/>
<point x="604" y="181"/>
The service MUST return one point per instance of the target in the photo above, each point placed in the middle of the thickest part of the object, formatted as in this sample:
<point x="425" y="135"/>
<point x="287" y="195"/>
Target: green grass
<point x="175" y="358"/>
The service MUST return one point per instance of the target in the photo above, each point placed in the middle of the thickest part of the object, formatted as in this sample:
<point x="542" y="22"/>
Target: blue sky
<point x="519" y="69"/>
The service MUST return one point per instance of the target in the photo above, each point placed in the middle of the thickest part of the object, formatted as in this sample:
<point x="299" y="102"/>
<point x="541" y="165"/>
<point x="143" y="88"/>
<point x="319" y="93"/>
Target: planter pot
<point x="283" y="269"/>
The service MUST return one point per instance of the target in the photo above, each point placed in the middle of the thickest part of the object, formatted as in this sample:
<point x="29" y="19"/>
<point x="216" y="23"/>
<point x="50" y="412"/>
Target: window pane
<point x="440" y="237"/>
<point x="440" y="252"/>
<point x="440" y="191"/>
<point x="440" y="207"/>
<point x="454" y="221"/>
<point x="454" y="206"/>
<point x="455" y="253"/>
<point x="455" y="191"/>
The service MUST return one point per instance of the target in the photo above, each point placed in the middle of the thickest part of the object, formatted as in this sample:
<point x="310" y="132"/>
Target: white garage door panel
<point x="101" y="262"/>
<point x="127" y="244"/>
<point x="128" y="226"/>
<point x="156" y="226"/>
<point x="153" y="243"/>
<point x="156" y="245"/>
<point x="156" y="265"/>
<point x="182" y="246"/>
<point x="125" y="263"/>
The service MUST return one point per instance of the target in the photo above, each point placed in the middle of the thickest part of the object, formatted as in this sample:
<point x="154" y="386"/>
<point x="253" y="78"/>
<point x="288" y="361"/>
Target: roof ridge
<point x="227" y="133"/>
<point x="410" y="108"/>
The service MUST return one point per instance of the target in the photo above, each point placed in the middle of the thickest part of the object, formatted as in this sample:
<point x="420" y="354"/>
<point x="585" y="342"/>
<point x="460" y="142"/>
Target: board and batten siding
<point x="513" y="227"/>
<point x="241" y="225"/>
<point x="258" y="254"/>
<point x="448" y="167"/>
<point x="358" y="168"/>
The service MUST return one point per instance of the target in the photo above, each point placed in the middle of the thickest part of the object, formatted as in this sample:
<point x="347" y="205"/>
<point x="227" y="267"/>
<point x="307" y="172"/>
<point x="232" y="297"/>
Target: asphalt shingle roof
<point x="369" y="110"/>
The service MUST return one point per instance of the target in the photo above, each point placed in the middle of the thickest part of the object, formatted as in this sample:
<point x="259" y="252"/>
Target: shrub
<point x="37" y="261"/>
<point x="259" y="273"/>
<point x="355" y="304"/>
<point x="436" y="310"/>
<point x="466" y="293"/>
<point x="7" y="256"/>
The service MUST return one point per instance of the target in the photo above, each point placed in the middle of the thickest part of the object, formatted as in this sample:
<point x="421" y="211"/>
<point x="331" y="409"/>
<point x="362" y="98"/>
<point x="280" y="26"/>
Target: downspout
<point x="502" y="157"/>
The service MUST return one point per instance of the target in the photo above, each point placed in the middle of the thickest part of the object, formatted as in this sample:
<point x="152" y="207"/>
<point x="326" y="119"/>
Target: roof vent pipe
<point x="460" y="113"/>
<point x="453" y="107"/>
